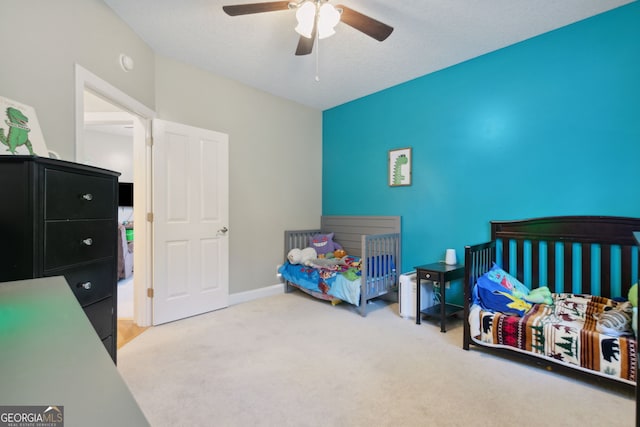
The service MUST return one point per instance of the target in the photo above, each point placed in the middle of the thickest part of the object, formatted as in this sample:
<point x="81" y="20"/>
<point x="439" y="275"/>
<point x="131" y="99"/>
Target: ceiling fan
<point x="316" y="19"/>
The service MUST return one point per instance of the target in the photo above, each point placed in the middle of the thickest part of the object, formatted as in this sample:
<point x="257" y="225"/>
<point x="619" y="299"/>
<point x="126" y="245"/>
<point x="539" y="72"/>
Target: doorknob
<point x="223" y="230"/>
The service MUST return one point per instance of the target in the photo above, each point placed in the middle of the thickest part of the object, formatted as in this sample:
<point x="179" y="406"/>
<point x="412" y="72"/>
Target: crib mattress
<point x="564" y="332"/>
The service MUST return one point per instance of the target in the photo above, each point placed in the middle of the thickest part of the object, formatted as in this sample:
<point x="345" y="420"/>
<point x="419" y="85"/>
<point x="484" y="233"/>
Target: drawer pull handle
<point x="85" y="285"/>
<point x="88" y="197"/>
<point x="88" y="241"/>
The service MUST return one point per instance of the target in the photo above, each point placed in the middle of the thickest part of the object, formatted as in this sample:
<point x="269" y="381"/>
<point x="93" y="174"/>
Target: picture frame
<point x="20" y="132"/>
<point x="399" y="173"/>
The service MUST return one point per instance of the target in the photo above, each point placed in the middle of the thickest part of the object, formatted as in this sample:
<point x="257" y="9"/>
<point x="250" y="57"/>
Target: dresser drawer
<point x="77" y="196"/>
<point x="90" y="282"/>
<point x="101" y="316"/>
<point x="71" y="242"/>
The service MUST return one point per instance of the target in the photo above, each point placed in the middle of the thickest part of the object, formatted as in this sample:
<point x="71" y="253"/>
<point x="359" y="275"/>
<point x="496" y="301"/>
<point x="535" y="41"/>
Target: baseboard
<point x="255" y="294"/>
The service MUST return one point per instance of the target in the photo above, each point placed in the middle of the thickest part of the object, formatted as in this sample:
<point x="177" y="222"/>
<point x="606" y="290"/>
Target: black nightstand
<point x="441" y="273"/>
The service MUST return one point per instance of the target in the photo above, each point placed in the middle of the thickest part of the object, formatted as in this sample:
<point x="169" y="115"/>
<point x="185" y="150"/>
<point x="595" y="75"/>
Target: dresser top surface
<point x="51" y="355"/>
<point x="56" y="163"/>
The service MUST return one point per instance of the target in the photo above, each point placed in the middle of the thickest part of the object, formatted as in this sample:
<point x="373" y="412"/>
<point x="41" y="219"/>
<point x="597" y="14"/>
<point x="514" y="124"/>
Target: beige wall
<point x="275" y="152"/>
<point x="47" y="39"/>
<point x="274" y="144"/>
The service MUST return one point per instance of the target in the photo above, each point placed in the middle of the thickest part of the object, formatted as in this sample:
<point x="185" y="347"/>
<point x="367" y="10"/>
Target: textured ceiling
<point x="258" y="50"/>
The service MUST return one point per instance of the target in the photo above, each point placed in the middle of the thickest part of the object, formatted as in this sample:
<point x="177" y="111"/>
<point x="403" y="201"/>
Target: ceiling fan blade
<point x="247" y="9"/>
<point x="369" y="26"/>
<point x="305" y="45"/>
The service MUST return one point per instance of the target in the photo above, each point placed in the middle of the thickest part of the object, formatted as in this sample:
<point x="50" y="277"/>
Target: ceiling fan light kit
<point x="305" y="15"/>
<point x="316" y="18"/>
<point x="328" y="17"/>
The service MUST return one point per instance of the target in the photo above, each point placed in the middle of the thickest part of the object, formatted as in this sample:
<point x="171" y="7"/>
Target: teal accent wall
<point x="548" y="126"/>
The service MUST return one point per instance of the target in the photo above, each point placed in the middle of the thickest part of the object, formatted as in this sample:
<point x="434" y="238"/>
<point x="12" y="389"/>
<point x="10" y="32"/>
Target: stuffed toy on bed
<point x="541" y="295"/>
<point x="615" y="321"/>
<point x="301" y="256"/>
<point x="324" y="244"/>
<point x="327" y="263"/>
<point x="339" y="253"/>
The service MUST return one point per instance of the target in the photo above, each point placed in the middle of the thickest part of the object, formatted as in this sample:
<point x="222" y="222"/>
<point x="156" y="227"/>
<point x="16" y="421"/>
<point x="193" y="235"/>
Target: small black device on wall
<point x="125" y="191"/>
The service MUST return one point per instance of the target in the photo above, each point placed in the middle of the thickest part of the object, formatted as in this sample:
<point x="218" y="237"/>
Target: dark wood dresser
<point x="59" y="218"/>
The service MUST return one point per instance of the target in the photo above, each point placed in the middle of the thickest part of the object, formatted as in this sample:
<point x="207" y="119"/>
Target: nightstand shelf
<point x="435" y="310"/>
<point x="440" y="273"/>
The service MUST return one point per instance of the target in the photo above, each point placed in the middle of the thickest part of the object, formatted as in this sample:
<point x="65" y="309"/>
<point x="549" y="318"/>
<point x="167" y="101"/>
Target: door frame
<point x="143" y="116"/>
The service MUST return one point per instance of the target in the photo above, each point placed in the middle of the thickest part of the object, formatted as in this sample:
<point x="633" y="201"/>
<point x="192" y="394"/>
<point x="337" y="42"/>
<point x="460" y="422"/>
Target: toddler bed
<point x="371" y="268"/>
<point x="555" y="289"/>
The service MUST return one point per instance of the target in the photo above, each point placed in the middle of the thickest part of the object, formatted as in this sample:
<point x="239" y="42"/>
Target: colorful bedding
<point x="340" y="281"/>
<point x="564" y="331"/>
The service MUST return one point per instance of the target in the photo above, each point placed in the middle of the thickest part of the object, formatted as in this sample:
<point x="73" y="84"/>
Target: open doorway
<point x="108" y="143"/>
<point x="111" y="132"/>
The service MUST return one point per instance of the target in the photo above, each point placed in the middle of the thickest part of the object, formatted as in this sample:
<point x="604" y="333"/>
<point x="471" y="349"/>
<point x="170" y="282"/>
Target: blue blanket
<point x="341" y="281"/>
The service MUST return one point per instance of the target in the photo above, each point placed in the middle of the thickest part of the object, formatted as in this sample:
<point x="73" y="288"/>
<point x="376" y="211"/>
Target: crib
<point x="586" y="261"/>
<point x="374" y="240"/>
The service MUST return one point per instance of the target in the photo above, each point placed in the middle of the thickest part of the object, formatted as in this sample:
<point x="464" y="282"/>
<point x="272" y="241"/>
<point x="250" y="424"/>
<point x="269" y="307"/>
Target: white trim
<point x="112" y="118"/>
<point x="86" y="79"/>
<point x="255" y="294"/>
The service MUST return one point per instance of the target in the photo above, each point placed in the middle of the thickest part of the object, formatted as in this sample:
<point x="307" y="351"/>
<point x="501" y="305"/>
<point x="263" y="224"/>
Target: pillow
<point x="494" y="291"/>
<point x="323" y="243"/>
<point x="504" y="279"/>
<point x="493" y="297"/>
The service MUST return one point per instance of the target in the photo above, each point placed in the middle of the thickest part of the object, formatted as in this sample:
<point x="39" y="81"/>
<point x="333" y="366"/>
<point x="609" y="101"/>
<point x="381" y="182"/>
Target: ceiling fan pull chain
<point x="317" y="56"/>
<point x="318" y="62"/>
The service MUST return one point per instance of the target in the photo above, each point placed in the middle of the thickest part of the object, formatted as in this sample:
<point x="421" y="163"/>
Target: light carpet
<point x="291" y="360"/>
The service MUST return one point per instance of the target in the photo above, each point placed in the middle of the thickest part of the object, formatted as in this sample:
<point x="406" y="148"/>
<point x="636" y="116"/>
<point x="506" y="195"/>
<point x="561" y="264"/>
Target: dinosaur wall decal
<point x="401" y="160"/>
<point x="18" y="131"/>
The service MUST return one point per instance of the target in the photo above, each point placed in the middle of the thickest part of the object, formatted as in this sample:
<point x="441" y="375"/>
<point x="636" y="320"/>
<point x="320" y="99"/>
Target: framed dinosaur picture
<point x="399" y="167"/>
<point x="20" y="132"/>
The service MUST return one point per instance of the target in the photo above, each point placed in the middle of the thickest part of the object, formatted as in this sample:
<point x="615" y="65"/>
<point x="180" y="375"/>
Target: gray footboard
<point x="381" y="267"/>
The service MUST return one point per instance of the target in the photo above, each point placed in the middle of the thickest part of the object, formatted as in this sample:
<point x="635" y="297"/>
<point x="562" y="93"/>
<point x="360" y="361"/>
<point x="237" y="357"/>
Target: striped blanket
<point x="564" y="332"/>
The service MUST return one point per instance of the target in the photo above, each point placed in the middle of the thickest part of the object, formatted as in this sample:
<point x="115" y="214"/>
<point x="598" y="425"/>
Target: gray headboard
<point x="349" y="229"/>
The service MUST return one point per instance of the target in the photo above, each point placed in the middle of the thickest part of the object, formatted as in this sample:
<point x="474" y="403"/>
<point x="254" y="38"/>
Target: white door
<point x="191" y="217"/>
